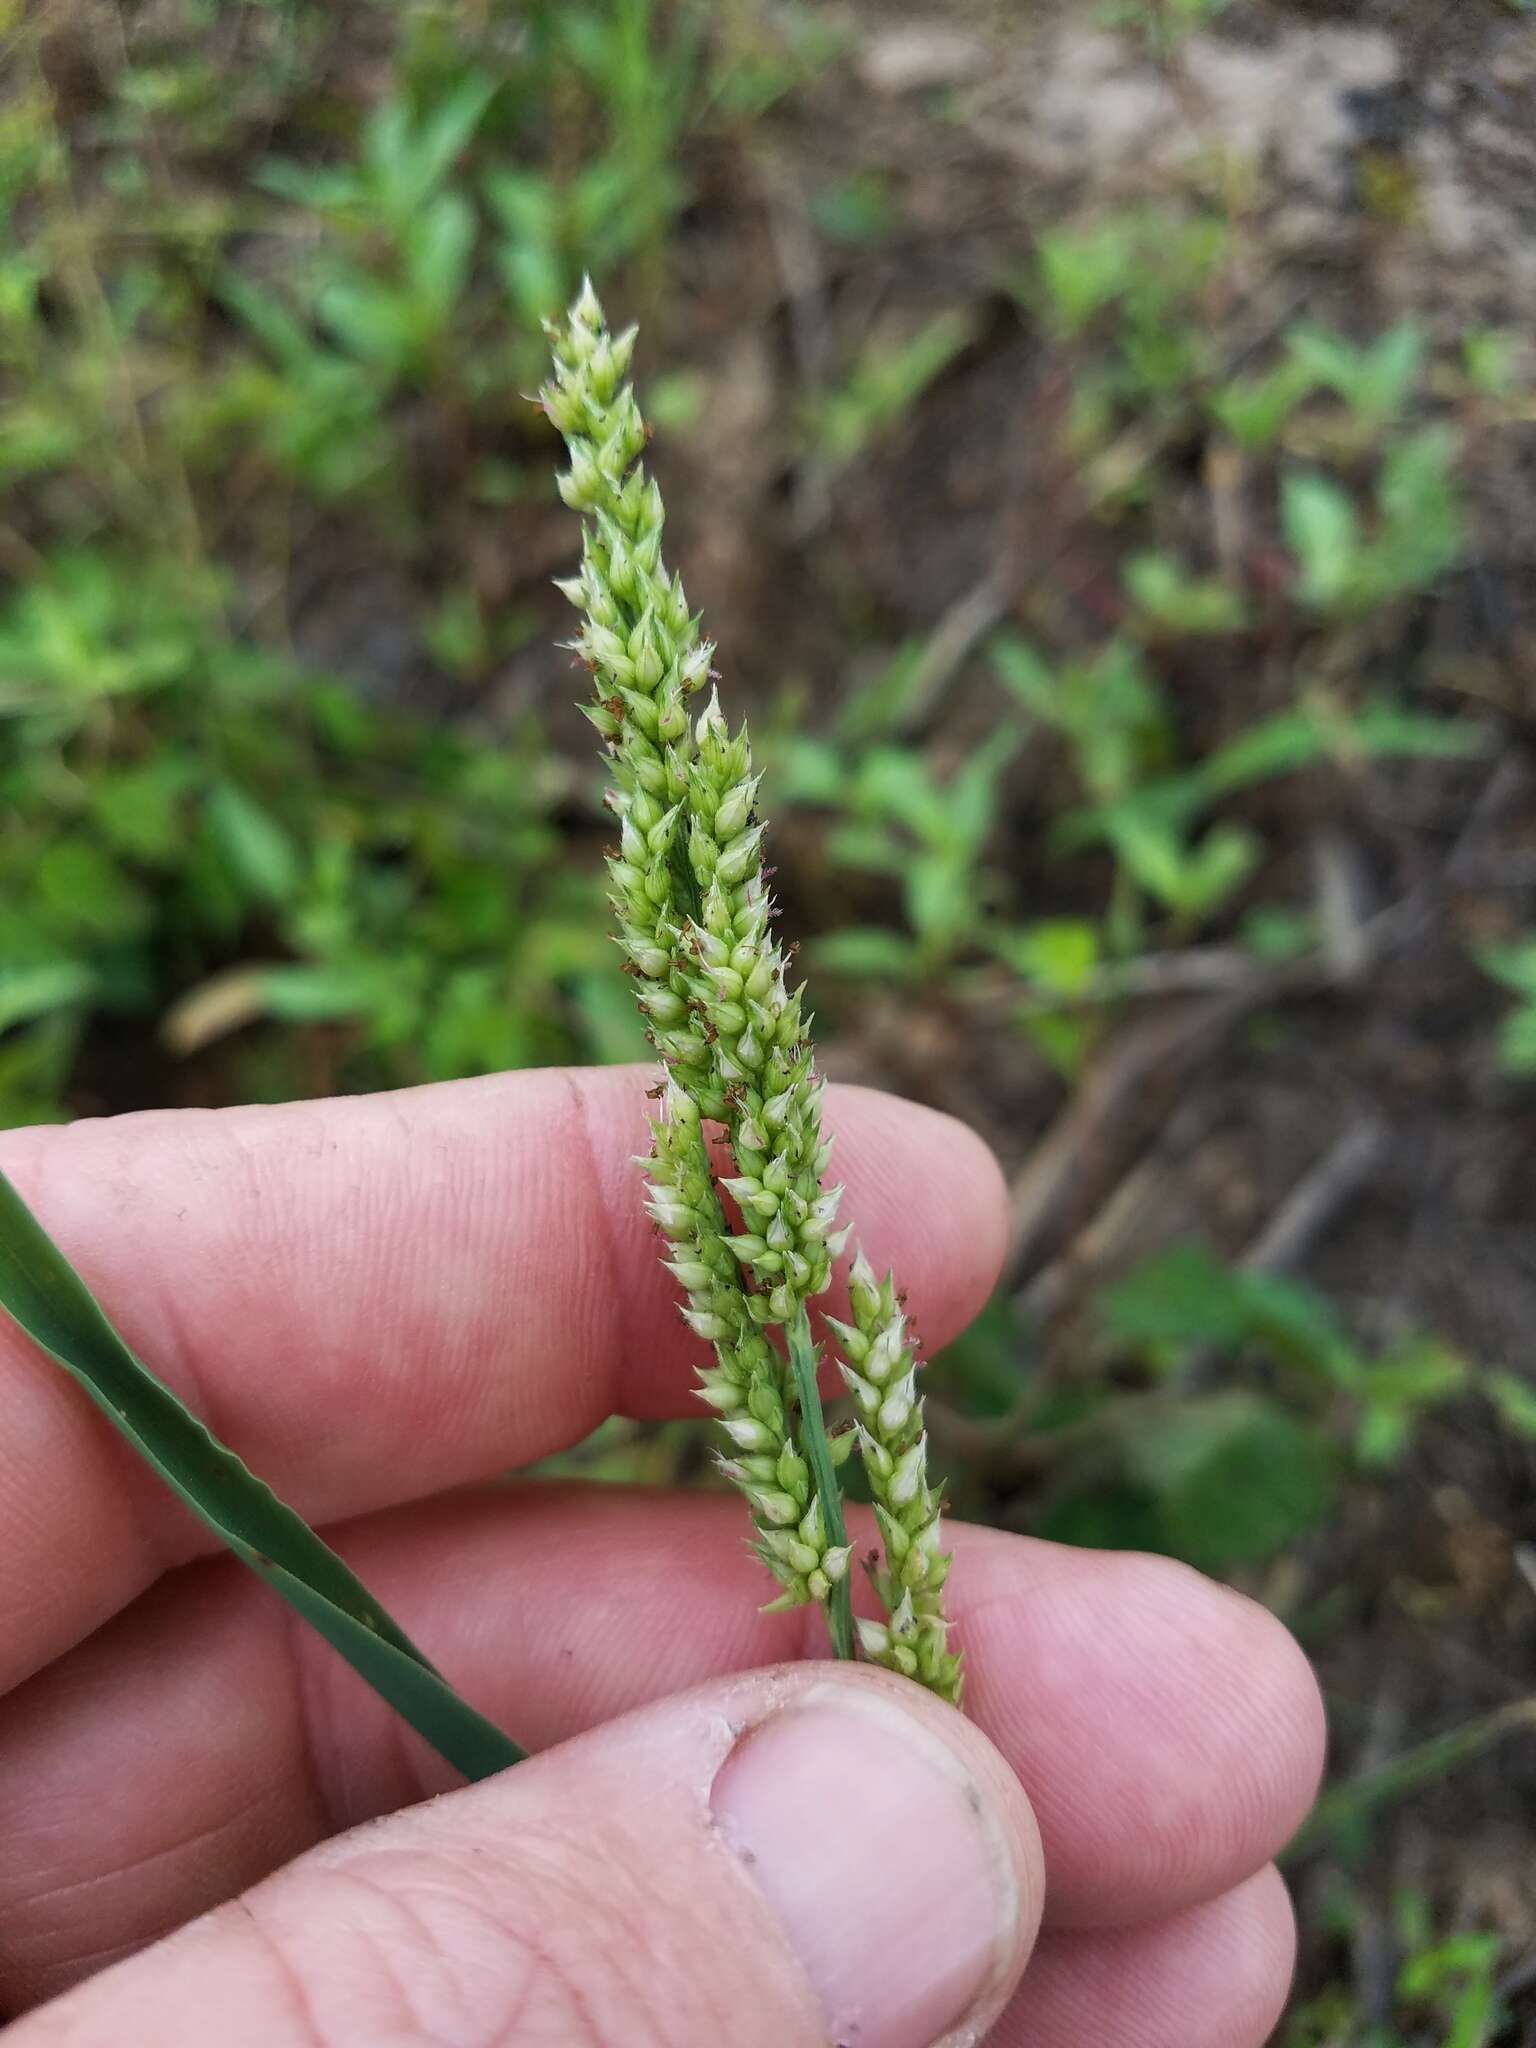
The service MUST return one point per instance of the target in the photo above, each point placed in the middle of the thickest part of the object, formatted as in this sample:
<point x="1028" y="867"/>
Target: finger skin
<point x="1215" y="1976"/>
<point x="584" y="1897"/>
<point x="374" y="1299"/>
<point x="203" y="1738"/>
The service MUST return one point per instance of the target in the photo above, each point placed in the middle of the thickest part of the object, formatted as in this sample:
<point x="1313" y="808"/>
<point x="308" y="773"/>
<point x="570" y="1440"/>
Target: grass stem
<point x="813" y="1439"/>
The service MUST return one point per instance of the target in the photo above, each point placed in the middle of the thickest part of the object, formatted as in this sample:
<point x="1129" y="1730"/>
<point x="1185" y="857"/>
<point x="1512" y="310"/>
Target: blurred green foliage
<point x="1147" y="1447"/>
<point x="206" y="822"/>
<point x="1447" y="1984"/>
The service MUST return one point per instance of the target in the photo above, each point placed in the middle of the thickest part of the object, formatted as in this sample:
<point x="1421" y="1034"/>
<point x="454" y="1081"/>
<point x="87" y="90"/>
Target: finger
<point x="1214" y="1976"/>
<point x="375" y="1299"/>
<point x="1168" y="1734"/>
<point x="776" y="1860"/>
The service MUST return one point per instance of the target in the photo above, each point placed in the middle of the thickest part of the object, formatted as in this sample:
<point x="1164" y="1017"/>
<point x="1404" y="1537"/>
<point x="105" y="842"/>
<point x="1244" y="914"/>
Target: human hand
<point x="384" y="1303"/>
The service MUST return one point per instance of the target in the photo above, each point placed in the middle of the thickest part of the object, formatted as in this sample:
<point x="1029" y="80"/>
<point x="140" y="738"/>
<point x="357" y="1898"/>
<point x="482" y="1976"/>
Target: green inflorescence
<point x="695" y="924"/>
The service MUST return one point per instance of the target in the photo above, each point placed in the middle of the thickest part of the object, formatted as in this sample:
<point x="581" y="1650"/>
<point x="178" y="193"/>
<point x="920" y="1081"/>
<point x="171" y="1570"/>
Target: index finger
<point x="375" y="1299"/>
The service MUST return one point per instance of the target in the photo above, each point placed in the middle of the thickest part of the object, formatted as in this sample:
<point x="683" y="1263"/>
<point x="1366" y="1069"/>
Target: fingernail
<point x="872" y="1845"/>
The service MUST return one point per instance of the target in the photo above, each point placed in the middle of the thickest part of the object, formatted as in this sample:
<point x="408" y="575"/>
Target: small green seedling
<point x="1415" y="537"/>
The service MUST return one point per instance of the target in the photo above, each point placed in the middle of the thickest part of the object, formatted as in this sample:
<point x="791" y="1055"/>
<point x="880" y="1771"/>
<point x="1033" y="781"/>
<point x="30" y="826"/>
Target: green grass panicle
<point x="694" y="921"/>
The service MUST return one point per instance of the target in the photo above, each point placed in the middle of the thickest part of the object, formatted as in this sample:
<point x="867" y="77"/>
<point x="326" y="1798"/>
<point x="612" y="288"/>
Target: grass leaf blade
<point x="48" y="1300"/>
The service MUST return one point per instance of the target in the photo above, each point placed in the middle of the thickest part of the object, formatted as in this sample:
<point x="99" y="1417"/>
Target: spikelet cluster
<point x="694" y="920"/>
<point x="880" y="1365"/>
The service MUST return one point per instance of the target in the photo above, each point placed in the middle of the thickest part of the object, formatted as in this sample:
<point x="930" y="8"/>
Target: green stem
<point x="818" y="1455"/>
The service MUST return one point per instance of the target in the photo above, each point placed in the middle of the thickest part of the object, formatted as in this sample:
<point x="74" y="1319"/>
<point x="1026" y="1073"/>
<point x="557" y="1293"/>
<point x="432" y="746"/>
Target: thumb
<point x="790" y="1858"/>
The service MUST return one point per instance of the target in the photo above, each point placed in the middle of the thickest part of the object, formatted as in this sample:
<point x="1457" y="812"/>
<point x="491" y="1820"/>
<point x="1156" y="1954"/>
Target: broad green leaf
<point x="1515" y="1399"/>
<point x="44" y="1295"/>
<point x="1421" y="529"/>
<point x="894" y="782"/>
<point x="1216" y="869"/>
<point x="1275" y="746"/>
<point x="1389" y="370"/>
<point x="1027" y="676"/>
<point x="1104" y="1517"/>
<point x="258" y="850"/>
<point x="266" y="317"/>
<point x="441" y="248"/>
<point x="442" y="135"/>
<point x="1084" y="269"/>
<point x="139" y="809"/>
<point x="971" y="793"/>
<point x="808" y="770"/>
<point x="1058" y="954"/>
<point x="1063" y="1039"/>
<point x="1185" y="1296"/>
<point x="534" y="277"/>
<point x="371" y="321"/>
<point x="1181" y="1296"/>
<point x="880" y="705"/>
<point x="324" y="190"/>
<point x="1517" y="1041"/>
<point x="28" y="992"/>
<point x="1323" y="532"/>
<point x="1513" y="964"/>
<point x="87" y="892"/>
<point x="1490" y="357"/>
<point x="1236" y="1477"/>
<point x="1397" y="1389"/>
<point x="1254" y="410"/>
<point x="941" y="901"/>
<point x="1271" y="932"/>
<point x="1149" y="845"/>
<point x="34" y="1065"/>
<point x="527" y="203"/>
<point x="1375" y="381"/>
<point x="1183" y="603"/>
<point x="1461" y="1976"/>
<point x="317" y="995"/>
<point x="867" y="846"/>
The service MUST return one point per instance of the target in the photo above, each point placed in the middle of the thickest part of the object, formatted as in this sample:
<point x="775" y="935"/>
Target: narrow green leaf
<point x="46" y="1297"/>
<point x="1347" y="1807"/>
